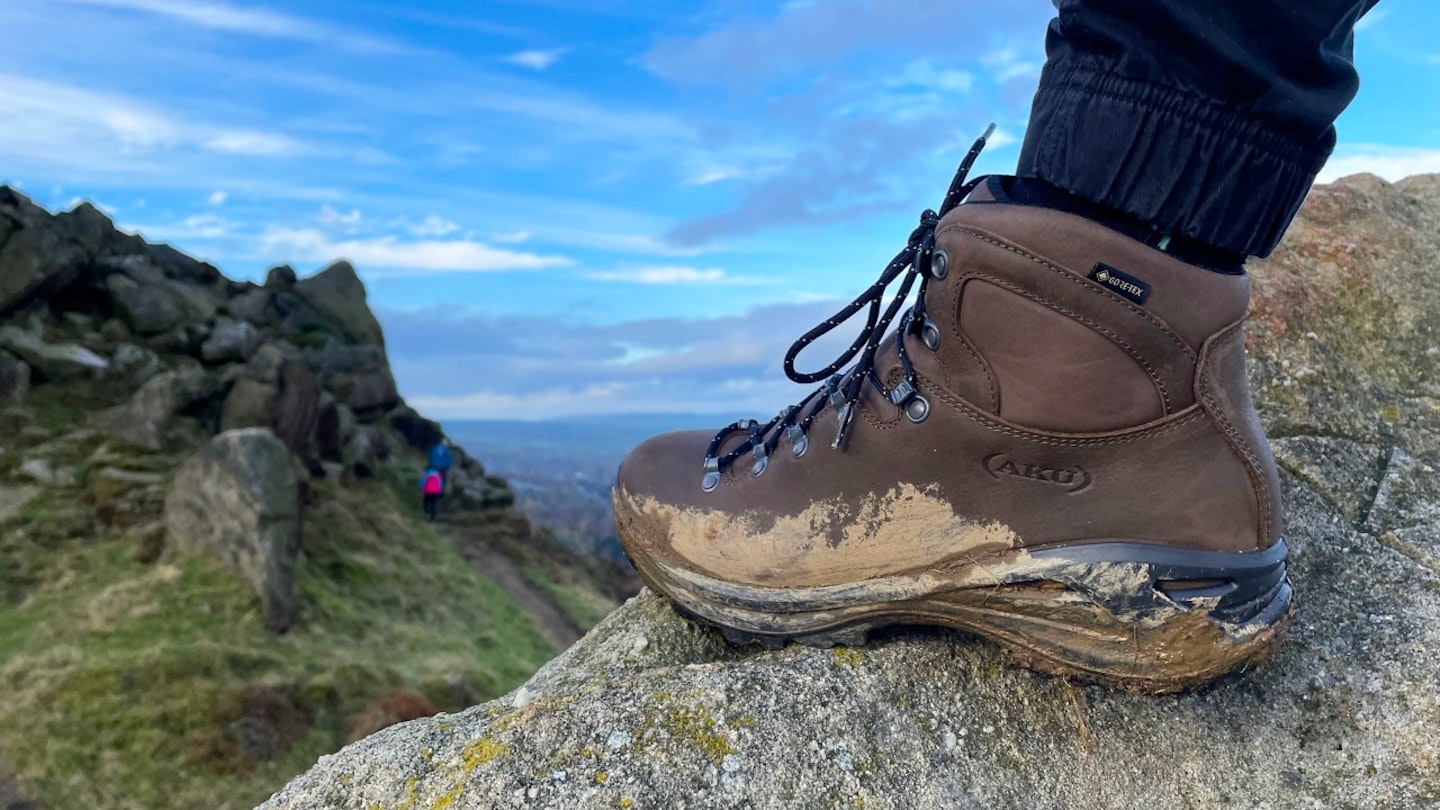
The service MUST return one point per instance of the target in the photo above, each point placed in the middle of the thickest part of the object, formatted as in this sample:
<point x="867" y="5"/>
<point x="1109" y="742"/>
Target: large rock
<point x="145" y="418"/>
<point x="14" y="378"/>
<point x="157" y="307"/>
<point x="36" y="258"/>
<point x="358" y="375"/>
<point x="231" y="341"/>
<point x="277" y="391"/>
<point x="55" y="362"/>
<point x="338" y="294"/>
<point x="238" y="499"/>
<point x="651" y="711"/>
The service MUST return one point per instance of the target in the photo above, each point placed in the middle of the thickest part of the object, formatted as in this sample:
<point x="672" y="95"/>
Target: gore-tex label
<point x="1120" y="283"/>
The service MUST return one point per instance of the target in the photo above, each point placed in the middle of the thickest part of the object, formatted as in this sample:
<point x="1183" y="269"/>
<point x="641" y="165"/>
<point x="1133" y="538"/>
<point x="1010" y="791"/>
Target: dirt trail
<point x="557" y="626"/>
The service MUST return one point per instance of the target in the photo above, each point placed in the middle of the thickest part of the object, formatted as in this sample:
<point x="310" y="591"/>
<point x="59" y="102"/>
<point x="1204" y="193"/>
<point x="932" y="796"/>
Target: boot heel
<point x="1134" y="616"/>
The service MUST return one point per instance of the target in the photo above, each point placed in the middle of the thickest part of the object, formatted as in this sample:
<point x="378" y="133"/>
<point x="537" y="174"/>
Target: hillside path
<point x="554" y="623"/>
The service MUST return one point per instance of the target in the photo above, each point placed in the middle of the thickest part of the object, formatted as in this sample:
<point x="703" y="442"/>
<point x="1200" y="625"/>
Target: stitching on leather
<point x="1236" y="439"/>
<point x="990" y="424"/>
<point x="1114" y="338"/>
<point x="1071" y="277"/>
<point x="959" y="334"/>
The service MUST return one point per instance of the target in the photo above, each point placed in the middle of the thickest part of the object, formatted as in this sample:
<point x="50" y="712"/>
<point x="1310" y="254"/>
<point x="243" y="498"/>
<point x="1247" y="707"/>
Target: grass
<point x="133" y="685"/>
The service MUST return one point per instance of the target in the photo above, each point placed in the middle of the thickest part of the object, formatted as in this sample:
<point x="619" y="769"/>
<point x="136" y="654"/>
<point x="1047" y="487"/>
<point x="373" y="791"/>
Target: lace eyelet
<point x="799" y="442"/>
<point x="939" y="265"/>
<point x="712" y="475"/>
<point x="917" y="410"/>
<point x="930" y="335"/>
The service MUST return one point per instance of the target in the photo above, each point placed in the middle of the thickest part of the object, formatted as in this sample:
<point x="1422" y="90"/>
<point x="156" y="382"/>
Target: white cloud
<point x="535" y="59"/>
<point x="670" y="274"/>
<point x="205" y="226"/>
<point x="512" y="237"/>
<point x="218" y="197"/>
<point x="433" y="225"/>
<point x="253" y="20"/>
<point x="330" y="218"/>
<point x="713" y="175"/>
<point x="60" y="125"/>
<point x="252" y="143"/>
<point x="1390" y="162"/>
<point x="388" y="253"/>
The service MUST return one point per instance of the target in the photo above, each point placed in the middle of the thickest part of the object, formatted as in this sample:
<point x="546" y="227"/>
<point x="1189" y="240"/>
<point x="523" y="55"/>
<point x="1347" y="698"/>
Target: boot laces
<point x="917" y="260"/>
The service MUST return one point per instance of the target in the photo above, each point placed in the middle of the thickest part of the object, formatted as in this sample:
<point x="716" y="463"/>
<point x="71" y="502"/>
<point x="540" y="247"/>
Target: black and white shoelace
<point x="918" y="260"/>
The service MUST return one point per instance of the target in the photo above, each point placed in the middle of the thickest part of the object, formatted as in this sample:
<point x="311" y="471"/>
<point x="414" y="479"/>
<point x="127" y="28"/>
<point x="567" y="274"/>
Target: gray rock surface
<point x="14" y="378"/>
<point x="238" y="499"/>
<point x="338" y="294"/>
<point x="54" y="361"/>
<point x="144" y="419"/>
<point x="650" y="711"/>
<point x="231" y="341"/>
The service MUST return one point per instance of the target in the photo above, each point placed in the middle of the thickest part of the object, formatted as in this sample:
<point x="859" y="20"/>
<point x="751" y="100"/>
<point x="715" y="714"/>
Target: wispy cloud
<point x="672" y="274"/>
<point x="389" y="255"/>
<point x="250" y="20"/>
<point x="67" y="125"/>
<point x="433" y="225"/>
<point x="535" y="59"/>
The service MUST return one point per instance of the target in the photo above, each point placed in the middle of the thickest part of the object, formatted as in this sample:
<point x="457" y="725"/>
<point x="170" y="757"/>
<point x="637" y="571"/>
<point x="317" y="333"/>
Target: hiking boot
<point x="1055" y="448"/>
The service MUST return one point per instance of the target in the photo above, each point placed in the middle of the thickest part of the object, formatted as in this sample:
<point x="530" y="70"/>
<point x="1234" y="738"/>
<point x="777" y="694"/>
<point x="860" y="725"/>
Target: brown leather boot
<point x="1055" y="449"/>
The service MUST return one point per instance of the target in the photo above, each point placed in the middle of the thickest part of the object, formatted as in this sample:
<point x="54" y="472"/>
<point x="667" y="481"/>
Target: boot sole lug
<point x="1132" y="638"/>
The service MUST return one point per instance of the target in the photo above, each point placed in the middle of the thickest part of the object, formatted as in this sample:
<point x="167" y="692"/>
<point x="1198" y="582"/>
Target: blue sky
<point x="564" y="206"/>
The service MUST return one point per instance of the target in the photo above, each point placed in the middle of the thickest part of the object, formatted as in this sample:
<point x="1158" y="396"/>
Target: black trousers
<point x="1206" y="119"/>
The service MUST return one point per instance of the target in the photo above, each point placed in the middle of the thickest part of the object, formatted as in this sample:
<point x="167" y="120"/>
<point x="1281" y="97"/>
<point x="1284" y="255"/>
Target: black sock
<point x="1036" y="192"/>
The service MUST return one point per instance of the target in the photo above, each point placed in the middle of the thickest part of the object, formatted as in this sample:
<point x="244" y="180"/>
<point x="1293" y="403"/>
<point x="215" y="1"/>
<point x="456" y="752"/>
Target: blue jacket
<point x="440" y="457"/>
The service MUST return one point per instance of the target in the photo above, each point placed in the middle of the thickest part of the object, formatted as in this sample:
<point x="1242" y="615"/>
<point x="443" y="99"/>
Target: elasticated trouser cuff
<point x="1182" y="162"/>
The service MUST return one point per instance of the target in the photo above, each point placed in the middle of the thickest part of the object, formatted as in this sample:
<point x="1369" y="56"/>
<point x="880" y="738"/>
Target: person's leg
<point x="1056" y="448"/>
<point x="1206" y="121"/>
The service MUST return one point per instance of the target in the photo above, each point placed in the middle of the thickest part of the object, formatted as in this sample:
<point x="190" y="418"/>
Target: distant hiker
<point x="440" y="460"/>
<point x="432" y="487"/>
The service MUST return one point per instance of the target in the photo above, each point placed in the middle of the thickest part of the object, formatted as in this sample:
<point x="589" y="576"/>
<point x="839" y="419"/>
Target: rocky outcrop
<point x="85" y="302"/>
<point x="238" y="499"/>
<point x="650" y="710"/>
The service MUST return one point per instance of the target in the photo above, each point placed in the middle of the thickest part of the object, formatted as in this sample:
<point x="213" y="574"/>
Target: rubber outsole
<point x="1130" y="616"/>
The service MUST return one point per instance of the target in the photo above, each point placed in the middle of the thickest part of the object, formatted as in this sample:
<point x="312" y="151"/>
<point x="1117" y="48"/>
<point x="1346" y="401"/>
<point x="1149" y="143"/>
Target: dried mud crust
<point x="1044" y="625"/>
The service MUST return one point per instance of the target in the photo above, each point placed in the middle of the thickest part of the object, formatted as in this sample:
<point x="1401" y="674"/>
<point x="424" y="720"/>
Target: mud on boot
<point x="1054" y="448"/>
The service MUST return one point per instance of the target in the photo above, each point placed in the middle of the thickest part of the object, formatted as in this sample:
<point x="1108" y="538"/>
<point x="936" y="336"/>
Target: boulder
<point x="418" y="432"/>
<point x="134" y="364"/>
<point x="651" y="710"/>
<point x="54" y="362"/>
<point x="143" y="420"/>
<point x="253" y="305"/>
<point x="359" y="455"/>
<point x="280" y="278"/>
<point x="297" y="404"/>
<point x="276" y="391"/>
<point x="338" y="295"/>
<point x="238" y="499"/>
<point x="359" y="376"/>
<point x="36" y="258"/>
<point x="148" y="309"/>
<point x="231" y="341"/>
<point x="14" y="378"/>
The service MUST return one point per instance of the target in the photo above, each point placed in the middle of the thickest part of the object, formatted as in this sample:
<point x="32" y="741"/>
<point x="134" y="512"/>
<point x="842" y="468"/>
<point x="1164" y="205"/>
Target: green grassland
<point x="135" y="685"/>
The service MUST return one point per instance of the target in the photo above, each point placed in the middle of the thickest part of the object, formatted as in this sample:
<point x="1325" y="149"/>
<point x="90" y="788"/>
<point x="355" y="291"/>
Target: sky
<point x="565" y="207"/>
